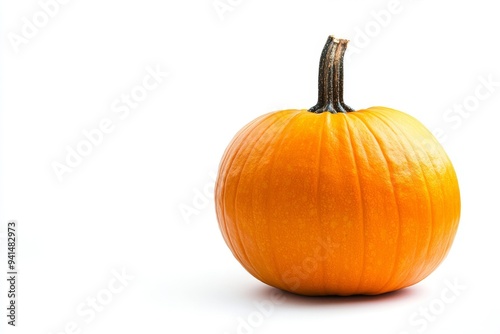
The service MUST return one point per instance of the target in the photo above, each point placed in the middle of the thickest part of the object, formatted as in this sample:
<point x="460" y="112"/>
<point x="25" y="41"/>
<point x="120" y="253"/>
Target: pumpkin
<point x="337" y="201"/>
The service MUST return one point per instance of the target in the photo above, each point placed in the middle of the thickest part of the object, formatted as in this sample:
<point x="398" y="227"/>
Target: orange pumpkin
<point x="332" y="201"/>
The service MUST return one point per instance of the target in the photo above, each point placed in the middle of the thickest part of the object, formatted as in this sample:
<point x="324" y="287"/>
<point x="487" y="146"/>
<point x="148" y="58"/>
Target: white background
<point x="120" y="208"/>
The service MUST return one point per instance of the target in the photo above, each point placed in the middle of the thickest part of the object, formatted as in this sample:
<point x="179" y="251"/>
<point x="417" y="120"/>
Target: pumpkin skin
<point x="344" y="203"/>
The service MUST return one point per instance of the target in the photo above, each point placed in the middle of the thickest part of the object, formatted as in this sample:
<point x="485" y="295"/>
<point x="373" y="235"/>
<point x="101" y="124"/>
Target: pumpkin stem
<point x="331" y="78"/>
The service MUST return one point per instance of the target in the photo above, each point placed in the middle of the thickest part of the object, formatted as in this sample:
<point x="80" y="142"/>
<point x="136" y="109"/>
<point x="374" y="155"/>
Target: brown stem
<point x="331" y="78"/>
